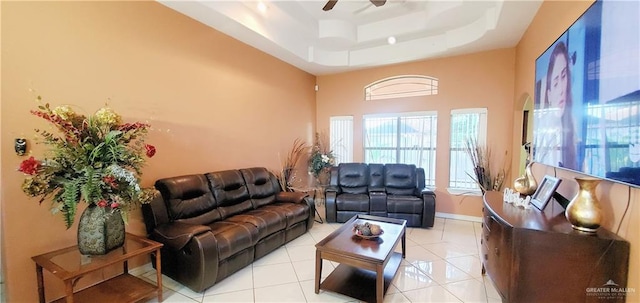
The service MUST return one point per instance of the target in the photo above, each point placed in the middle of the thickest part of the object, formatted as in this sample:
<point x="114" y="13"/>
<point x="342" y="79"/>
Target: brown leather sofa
<point x="387" y="190"/>
<point x="214" y="224"/>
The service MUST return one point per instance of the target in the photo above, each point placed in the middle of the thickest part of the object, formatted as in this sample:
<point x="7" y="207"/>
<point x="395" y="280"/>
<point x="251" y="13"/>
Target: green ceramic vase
<point x="100" y="230"/>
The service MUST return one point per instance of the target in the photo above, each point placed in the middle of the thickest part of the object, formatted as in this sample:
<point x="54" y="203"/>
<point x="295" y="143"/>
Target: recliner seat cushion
<point x="266" y="221"/>
<point x="293" y="212"/>
<point x="404" y="204"/>
<point x="351" y="202"/>
<point x="233" y="237"/>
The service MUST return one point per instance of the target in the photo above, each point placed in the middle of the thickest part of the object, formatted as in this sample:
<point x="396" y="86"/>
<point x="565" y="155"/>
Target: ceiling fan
<point x="331" y="3"/>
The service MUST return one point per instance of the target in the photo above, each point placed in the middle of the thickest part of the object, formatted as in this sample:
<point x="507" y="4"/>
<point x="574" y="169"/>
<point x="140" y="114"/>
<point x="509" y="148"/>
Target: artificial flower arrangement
<point x="96" y="159"/>
<point x="322" y="157"/>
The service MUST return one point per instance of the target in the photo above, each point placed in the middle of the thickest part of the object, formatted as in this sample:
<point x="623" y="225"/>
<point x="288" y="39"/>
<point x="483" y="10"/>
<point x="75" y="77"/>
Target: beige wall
<point x="553" y="18"/>
<point x="477" y="80"/>
<point x="214" y="103"/>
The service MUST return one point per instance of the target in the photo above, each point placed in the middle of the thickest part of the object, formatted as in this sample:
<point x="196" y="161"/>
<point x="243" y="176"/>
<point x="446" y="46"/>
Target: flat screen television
<point x="587" y="95"/>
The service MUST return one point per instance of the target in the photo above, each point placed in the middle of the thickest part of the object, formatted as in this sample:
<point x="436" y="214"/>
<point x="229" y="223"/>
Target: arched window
<point x="401" y="86"/>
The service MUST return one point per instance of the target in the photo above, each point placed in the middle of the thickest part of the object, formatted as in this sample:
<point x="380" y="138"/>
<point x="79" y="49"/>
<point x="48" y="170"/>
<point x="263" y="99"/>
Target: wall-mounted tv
<point x="587" y="95"/>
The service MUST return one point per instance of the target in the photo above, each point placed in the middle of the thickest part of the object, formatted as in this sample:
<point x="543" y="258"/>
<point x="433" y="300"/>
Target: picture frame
<point x="545" y="191"/>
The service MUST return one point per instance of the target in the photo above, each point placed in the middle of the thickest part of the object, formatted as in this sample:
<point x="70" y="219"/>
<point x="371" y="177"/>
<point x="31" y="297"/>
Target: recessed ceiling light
<point x="262" y="7"/>
<point x="391" y="40"/>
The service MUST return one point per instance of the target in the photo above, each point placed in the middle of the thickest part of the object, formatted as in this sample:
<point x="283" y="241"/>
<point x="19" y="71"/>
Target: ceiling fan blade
<point x="330" y="4"/>
<point x="378" y="2"/>
<point x="364" y="8"/>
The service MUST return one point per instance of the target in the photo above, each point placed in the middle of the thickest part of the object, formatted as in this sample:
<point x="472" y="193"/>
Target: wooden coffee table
<point x="366" y="264"/>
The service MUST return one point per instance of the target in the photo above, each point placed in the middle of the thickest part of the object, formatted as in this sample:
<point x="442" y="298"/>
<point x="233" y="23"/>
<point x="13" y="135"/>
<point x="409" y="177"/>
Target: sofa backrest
<point x="353" y="178"/>
<point x="400" y="179"/>
<point x="230" y="191"/>
<point x="261" y="184"/>
<point x="188" y="199"/>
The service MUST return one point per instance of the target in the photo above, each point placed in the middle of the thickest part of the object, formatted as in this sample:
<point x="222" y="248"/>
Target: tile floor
<point x="442" y="265"/>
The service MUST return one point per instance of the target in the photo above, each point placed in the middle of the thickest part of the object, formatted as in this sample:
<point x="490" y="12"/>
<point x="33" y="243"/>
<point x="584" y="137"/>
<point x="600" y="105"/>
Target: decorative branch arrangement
<point x="286" y="176"/>
<point x="483" y="175"/>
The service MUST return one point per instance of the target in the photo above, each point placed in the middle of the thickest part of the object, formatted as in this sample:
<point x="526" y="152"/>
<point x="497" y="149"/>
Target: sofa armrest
<point x="155" y="213"/>
<point x="333" y="189"/>
<point x="195" y="264"/>
<point x="423" y="191"/>
<point x="331" y="211"/>
<point x="293" y="197"/>
<point x="427" y="191"/>
<point x="176" y="234"/>
<point x="429" y="207"/>
<point x="378" y="203"/>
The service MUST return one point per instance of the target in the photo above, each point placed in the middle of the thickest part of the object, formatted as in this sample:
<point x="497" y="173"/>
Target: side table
<point x="314" y="197"/>
<point x="69" y="265"/>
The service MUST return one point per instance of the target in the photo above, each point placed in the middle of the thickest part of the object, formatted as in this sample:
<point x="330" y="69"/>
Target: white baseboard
<point x="459" y="217"/>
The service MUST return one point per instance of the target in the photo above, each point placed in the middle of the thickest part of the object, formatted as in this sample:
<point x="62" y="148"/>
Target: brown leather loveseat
<point x="387" y="190"/>
<point x="214" y="224"/>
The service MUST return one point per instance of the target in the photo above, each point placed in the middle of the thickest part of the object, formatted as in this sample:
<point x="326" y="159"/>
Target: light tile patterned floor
<point x="442" y="265"/>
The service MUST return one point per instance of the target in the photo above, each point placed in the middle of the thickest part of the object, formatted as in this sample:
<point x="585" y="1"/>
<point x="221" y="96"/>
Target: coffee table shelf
<point x="358" y="283"/>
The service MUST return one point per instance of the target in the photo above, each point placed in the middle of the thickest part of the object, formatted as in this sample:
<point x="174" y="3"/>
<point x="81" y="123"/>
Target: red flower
<point x="30" y="166"/>
<point x="111" y="181"/>
<point x="114" y="205"/>
<point x="151" y="150"/>
<point x="102" y="203"/>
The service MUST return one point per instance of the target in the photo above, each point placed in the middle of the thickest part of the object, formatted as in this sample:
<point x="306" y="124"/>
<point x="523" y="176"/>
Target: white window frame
<point x="341" y="138"/>
<point x="400" y="87"/>
<point x="455" y="157"/>
<point x="431" y="150"/>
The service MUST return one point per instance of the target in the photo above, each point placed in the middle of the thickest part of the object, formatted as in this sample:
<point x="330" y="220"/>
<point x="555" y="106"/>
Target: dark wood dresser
<point x="534" y="256"/>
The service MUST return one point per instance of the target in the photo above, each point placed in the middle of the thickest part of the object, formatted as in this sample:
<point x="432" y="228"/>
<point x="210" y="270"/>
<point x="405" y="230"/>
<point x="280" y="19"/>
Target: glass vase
<point x="323" y="176"/>
<point x="100" y="230"/>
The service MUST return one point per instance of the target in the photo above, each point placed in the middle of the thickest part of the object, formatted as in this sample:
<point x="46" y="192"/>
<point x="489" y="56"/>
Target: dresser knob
<point x="497" y="251"/>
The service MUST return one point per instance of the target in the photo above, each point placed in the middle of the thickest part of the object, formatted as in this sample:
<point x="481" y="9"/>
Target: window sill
<point x="464" y="191"/>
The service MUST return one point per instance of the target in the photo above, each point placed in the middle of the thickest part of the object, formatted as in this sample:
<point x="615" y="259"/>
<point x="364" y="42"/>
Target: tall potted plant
<point x="96" y="159"/>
